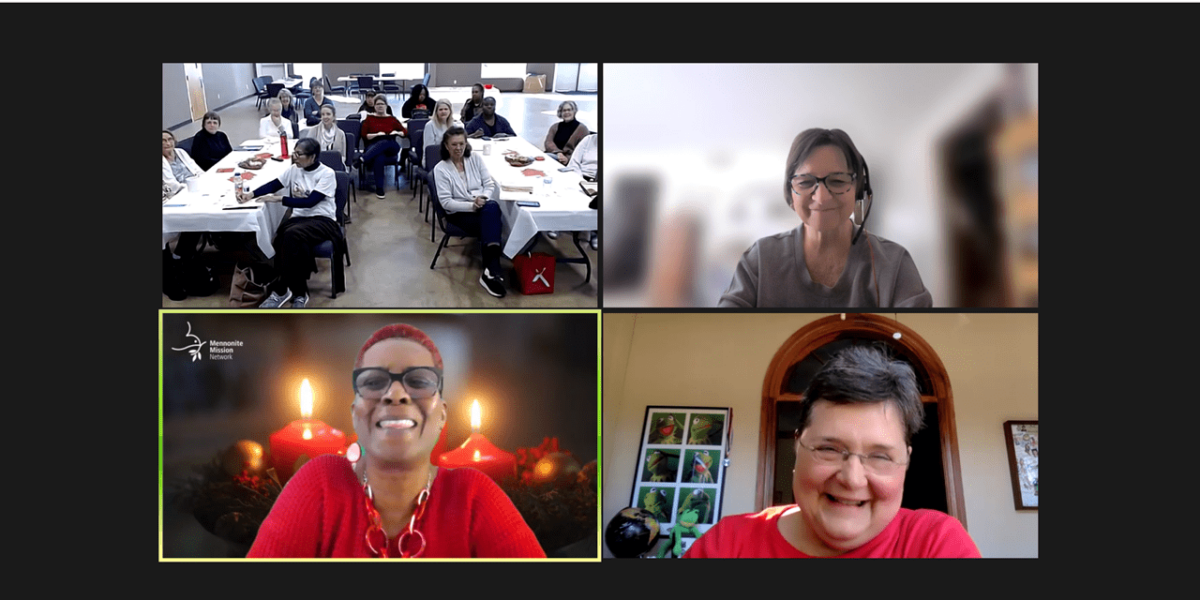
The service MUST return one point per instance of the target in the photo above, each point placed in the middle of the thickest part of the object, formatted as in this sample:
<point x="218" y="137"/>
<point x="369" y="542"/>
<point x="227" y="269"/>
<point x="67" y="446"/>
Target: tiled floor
<point x="389" y="242"/>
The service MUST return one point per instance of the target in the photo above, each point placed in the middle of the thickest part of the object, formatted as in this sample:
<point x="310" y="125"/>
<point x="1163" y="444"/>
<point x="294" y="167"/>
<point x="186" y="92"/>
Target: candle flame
<point x="476" y="456"/>
<point x="306" y="401"/>
<point x="475" y="416"/>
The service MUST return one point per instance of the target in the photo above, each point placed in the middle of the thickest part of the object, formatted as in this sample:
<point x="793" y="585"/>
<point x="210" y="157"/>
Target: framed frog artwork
<point x="680" y="476"/>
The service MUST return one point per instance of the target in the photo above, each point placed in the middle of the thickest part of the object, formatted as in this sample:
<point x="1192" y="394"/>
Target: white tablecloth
<point x="564" y="206"/>
<point x="203" y="209"/>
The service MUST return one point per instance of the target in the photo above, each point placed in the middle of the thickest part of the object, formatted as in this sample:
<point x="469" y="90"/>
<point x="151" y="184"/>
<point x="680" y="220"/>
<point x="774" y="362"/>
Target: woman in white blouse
<point x="440" y="121"/>
<point x="177" y="166"/>
<point x="327" y="133"/>
<point x="464" y="189"/>
<point x="272" y="125"/>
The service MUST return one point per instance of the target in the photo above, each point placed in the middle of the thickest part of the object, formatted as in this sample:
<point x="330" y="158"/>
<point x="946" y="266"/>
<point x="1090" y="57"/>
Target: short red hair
<point x="402" y="331"/>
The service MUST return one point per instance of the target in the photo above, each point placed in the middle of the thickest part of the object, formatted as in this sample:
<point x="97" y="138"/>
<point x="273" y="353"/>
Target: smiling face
<point x="567" y="112"/>
<point x="819" y="209"/>
<point x="168" y="143"/>
<point x="396" y="429"/>
<point x="457" y="145"/>
<point x="327" y="117"/>
<point x="842" y="506"/>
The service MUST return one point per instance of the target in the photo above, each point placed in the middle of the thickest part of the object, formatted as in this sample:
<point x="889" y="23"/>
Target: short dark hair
<point x="210" y="115"/>
<point x="865" y="375"/>
<point x="308" y="146"/>
<point x="456" y="130"/>
<point x="478" y="85"/>
<point x="811" y="139"/>
<point x="486" y="100"/>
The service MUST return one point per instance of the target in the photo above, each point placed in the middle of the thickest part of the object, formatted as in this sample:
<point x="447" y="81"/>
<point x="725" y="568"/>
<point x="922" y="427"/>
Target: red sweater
<point x="377" y="124"/>
<point x="321" y="514"/>
<point x="918" y="533"/>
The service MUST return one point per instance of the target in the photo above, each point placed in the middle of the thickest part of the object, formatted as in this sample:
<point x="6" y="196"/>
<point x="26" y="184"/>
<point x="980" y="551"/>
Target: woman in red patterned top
<point x="380" y="132"/>
<point x="853" y="446"/>
<point x="392" y="502"/>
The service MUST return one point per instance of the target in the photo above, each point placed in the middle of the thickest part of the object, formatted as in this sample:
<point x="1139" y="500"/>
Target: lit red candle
<point x="303" y="439"/>
<point x="479" y="453"/>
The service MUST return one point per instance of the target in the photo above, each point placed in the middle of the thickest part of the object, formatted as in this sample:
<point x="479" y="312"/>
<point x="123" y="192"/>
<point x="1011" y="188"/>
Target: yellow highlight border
<point x="599" y="434"/>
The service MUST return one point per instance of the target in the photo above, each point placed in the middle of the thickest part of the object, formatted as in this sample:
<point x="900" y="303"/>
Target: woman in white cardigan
<point x="464" y="189"/>
<point x="327" y="133"/>
<point x="177" y="166"/>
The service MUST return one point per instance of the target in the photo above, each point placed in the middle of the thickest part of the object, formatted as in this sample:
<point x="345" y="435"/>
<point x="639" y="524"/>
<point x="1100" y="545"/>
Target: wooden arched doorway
<point x="794" y="363"/>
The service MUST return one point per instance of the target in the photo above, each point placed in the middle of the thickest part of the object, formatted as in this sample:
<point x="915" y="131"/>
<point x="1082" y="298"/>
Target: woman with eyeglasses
<point x="388" y="500"/>
<point x="853" y="448"/>
<point x="380" y="134"/>
<point x="829" y="261"/>
<point x="565" y="134"/>
<point x="309" y="188"/>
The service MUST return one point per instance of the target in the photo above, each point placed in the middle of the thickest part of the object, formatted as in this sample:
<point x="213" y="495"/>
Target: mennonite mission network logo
<point x="217" y="350"/>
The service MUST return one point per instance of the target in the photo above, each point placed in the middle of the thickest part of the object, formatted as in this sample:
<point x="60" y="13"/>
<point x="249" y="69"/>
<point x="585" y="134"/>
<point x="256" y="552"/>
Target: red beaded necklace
<point x="375" y="531"/>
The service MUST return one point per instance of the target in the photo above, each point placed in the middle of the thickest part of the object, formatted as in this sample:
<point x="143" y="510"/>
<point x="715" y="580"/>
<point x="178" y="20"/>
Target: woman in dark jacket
<point x="417" y="101"/>
<point x="210" y="144"/>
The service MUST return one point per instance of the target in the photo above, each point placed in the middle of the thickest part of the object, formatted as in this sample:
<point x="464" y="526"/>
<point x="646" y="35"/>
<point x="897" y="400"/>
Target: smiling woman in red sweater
<point x="392" y="503"/>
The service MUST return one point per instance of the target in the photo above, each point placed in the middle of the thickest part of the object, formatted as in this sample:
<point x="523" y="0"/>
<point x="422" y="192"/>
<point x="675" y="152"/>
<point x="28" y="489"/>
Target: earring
<point x="353" y="453"/>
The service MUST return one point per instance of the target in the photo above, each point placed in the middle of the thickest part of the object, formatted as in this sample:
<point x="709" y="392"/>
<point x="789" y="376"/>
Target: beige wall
<point x="687" y="359"/>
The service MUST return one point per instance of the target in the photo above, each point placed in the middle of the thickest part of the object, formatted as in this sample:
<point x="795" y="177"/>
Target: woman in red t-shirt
<point x="380" y="132"/>
<point x="857" y="420"/>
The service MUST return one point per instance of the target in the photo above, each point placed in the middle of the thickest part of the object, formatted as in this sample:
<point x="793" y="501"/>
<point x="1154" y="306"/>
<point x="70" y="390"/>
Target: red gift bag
<point x="536" y="272"/>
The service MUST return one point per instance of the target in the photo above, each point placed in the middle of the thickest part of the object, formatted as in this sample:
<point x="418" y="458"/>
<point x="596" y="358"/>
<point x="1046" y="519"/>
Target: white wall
<point x="687" y="359"/>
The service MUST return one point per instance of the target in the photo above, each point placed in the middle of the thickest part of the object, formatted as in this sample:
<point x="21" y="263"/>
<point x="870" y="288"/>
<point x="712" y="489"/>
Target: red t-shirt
<point x="321" y="513"/>
<point x="918" y="533"/>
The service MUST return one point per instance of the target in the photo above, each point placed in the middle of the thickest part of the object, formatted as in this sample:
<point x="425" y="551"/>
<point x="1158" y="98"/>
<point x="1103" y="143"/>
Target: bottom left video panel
<point x="338" y="435"/>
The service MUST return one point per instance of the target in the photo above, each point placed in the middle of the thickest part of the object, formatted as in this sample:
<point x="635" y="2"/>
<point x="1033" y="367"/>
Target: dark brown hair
<point x="811" y="139"/>
<point x="866" y="375"/>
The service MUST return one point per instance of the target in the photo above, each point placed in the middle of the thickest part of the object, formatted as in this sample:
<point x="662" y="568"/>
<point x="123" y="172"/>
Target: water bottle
<point x="237" y="182"/>
<point x="283" y="142"/>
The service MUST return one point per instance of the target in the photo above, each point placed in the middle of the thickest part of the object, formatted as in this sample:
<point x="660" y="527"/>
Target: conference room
<point x="380" y="185"/>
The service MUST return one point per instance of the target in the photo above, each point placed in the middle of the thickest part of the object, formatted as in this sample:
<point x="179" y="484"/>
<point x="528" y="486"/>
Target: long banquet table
<point x="211" y="206"/>
<point x="564" y="205"/>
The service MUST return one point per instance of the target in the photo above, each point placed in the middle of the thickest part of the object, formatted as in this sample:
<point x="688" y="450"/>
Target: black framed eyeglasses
<point x="836" y="183"/>
<point x="421" y="382"/>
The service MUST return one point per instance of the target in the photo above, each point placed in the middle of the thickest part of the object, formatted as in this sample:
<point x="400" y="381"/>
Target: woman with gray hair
<point x="853" y="447"/>
<point x="566" y="134"/>
<point x="274" y="124"/>
<point x="313" y="104"/>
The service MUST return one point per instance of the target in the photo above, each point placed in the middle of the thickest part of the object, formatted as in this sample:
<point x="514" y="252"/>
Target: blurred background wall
<point x="694" y="156"/>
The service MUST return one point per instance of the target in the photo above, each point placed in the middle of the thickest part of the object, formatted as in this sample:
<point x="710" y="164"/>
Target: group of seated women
<point x="465" y="189"/>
